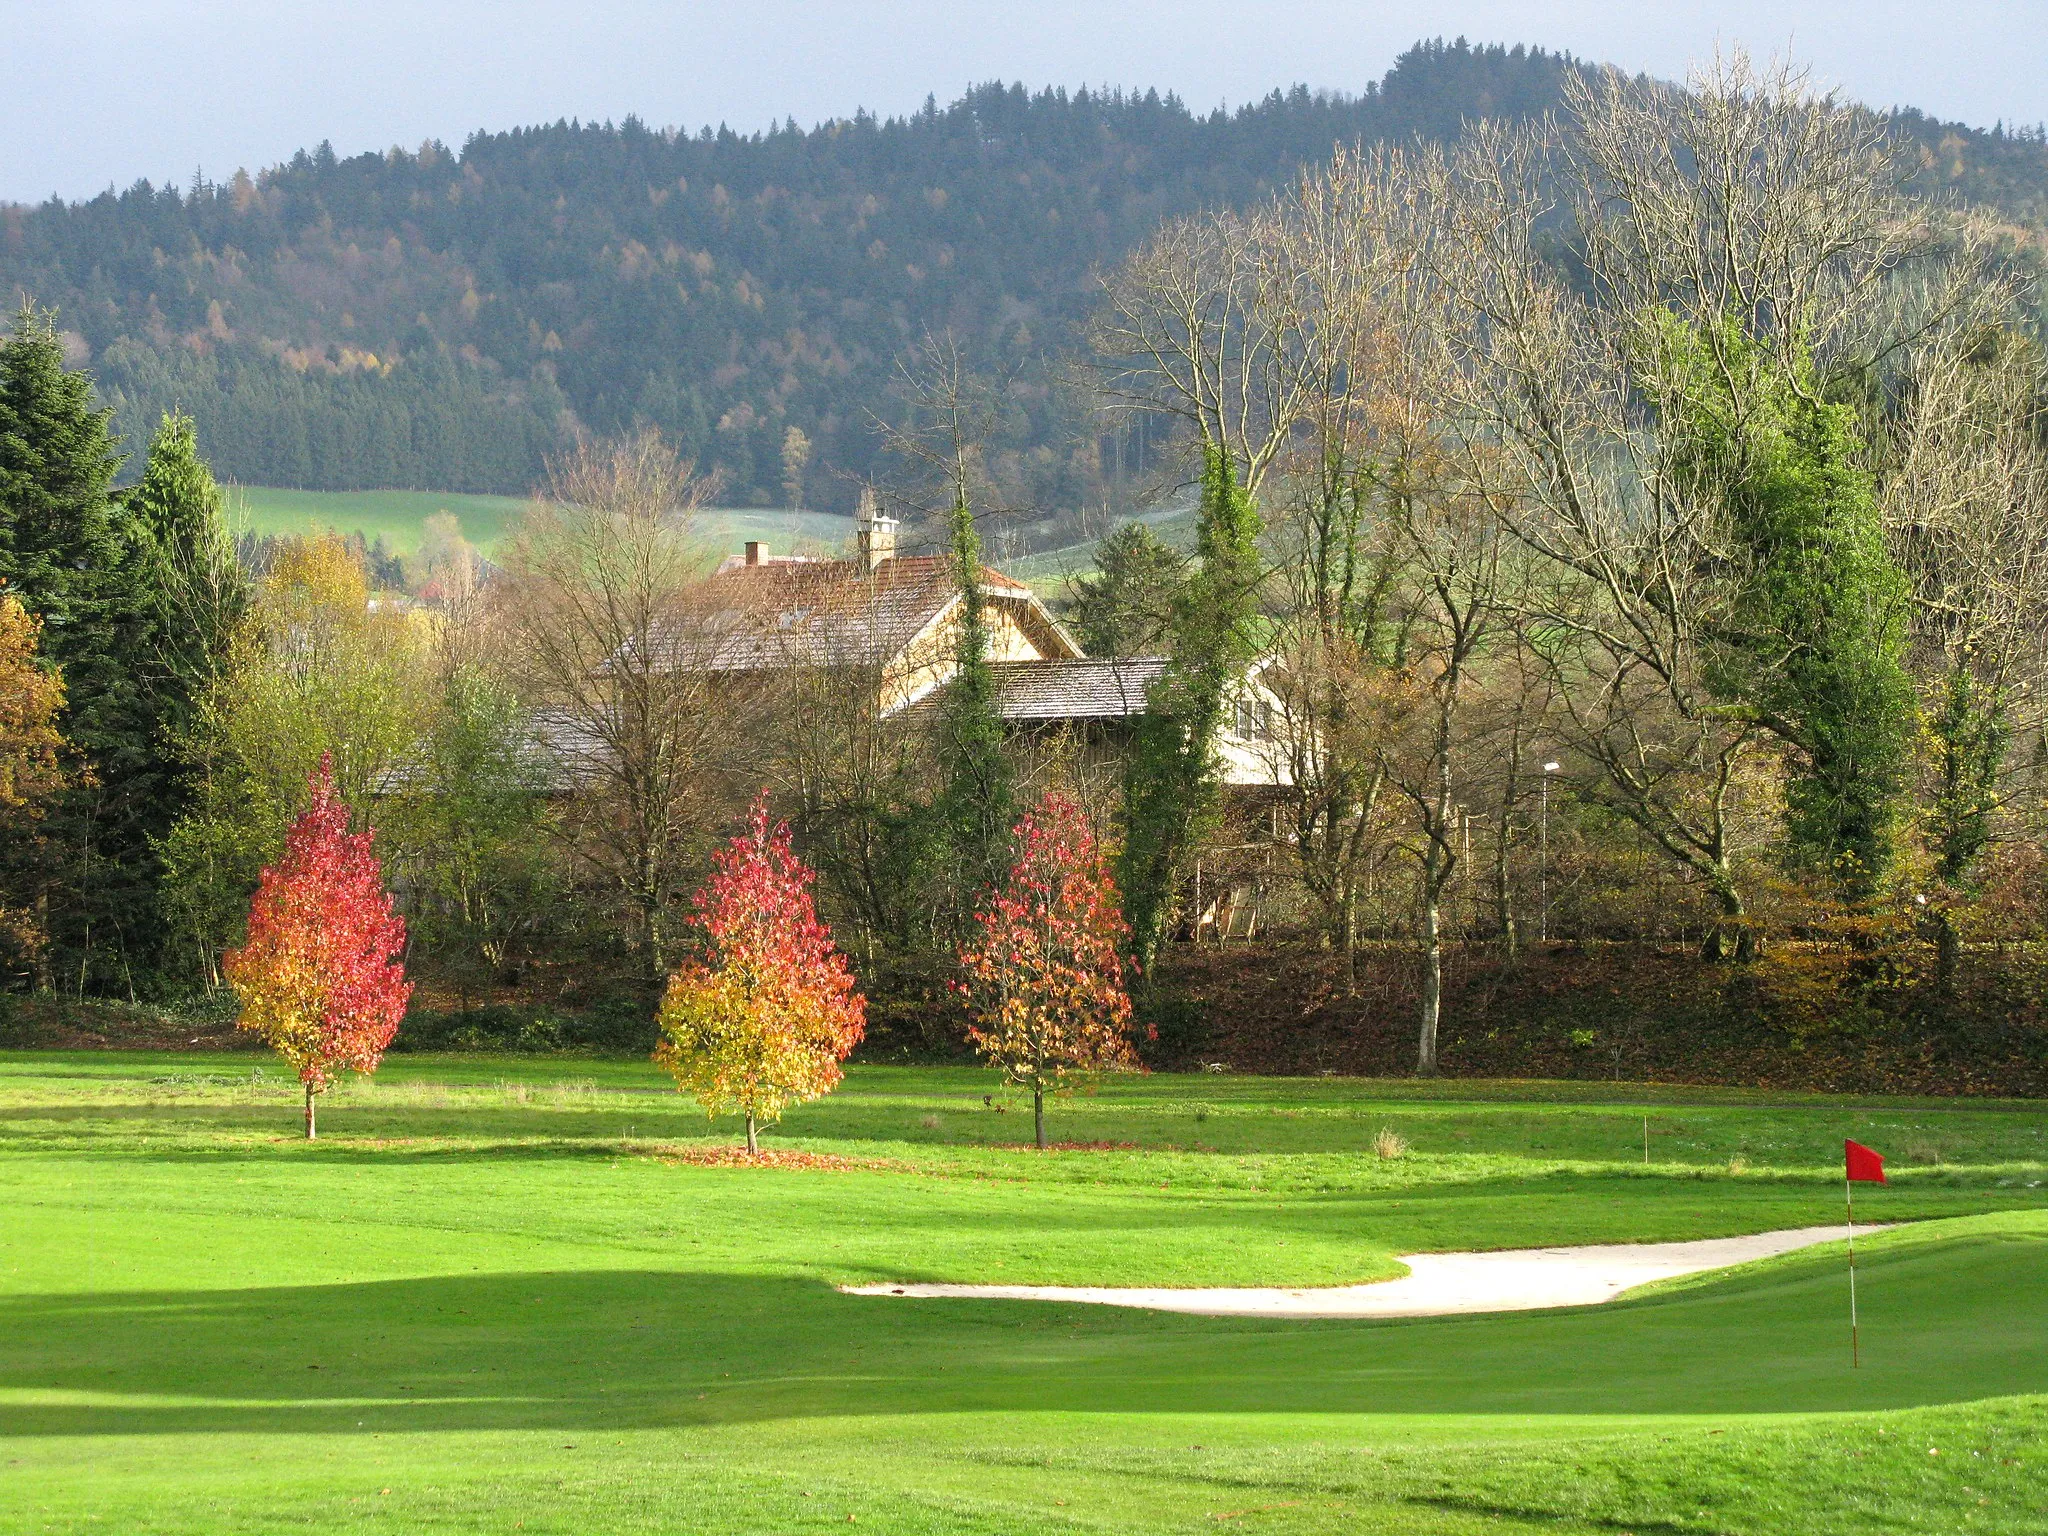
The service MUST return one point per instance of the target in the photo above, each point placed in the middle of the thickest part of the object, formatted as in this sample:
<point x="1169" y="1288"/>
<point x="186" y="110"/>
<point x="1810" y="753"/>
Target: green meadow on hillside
<point x="522" y="1295"/>
<point x="399" y="517"/>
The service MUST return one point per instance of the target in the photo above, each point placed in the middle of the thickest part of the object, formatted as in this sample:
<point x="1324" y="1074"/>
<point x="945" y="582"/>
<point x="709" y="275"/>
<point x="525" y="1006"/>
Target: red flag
<point x="1863" y="1165"/>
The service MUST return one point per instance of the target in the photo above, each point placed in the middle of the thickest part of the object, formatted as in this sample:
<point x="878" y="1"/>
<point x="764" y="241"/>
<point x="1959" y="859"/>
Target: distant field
<point x="398" y="518"/>
<point x="1051" y="571"/>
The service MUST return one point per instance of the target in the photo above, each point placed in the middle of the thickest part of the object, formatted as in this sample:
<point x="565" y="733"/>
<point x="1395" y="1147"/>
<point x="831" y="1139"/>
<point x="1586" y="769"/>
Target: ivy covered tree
<point x="977" y="803"/>
<point x="1815" y="638"/>
<point x="1042" y="971"/>
<point x="1170" y="779"/>
<point x="320" y="978"/>
<point x="766" y="1013"/>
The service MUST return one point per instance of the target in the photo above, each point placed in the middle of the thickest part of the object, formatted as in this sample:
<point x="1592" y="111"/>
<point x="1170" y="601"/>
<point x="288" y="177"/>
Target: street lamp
<point x="1543" y="859"/>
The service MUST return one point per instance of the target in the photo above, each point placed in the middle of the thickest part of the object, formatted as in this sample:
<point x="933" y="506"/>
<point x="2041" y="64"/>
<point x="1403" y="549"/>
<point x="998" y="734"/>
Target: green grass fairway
<point x="397" y="517"/>
<point x="499" y="1295"/>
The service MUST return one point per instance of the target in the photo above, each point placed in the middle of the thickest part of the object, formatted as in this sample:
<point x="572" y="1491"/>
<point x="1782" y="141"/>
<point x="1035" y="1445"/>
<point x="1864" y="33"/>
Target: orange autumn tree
<point x="767" y="1012"/>
<point x="31" y="771"/>
<point x="1042" y="972"/>
<point x="319" y="978"/>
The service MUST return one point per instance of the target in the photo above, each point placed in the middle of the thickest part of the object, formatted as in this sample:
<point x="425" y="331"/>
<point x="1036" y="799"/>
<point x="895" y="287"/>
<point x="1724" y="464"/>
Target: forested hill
<point x="438" y="320"/>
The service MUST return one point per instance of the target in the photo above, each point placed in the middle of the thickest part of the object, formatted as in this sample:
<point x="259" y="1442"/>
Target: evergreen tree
<point x="190" y="569"/>
<point x="978" y="803"/>
<point x="74" y="553"/>
<point x="1170" y="780"/>
<point x="1126" y="608"/>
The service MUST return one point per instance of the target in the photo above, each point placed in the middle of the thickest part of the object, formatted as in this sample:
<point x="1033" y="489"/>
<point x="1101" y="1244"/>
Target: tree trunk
<point x="1731" y="937"/>
<point x="46" y="979"/>
<point x="753" y="1142"/>
<point x="1432" y="985"/>
<point x="1504" y="922"/>
<point x="1948" y="953"/>
<point x="1038" y="1113"/>
<point x="309" y="1111"/>
<point x="1509" y="930"/>
<point x="1350" y="940"/>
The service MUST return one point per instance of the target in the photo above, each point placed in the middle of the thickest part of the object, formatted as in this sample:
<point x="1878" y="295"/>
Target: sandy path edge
<point x="1437" y="1284"/>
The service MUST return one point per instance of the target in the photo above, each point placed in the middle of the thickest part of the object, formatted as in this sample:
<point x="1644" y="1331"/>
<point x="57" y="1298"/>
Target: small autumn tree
<point x="319" y="977"/>
<point x="1042" y="971"/>
<point x="767" y="1011"/>
<point x="31" y="773"/>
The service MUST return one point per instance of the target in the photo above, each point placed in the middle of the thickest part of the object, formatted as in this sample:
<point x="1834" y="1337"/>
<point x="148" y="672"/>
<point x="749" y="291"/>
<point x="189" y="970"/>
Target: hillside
<point x="440" y="320"/>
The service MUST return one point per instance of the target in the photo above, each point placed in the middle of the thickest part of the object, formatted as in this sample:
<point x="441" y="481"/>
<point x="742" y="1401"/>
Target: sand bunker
<point x="1437" y="1285"/>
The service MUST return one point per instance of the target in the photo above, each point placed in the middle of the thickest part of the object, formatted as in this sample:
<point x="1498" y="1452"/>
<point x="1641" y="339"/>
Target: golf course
<point x="544" y="1294"/>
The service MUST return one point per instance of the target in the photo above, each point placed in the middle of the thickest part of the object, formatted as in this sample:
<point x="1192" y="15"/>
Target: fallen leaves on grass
<point x="1257" y="1509"/>
<point x="1070" y="1146"/>
<point x="767" y="1157"/>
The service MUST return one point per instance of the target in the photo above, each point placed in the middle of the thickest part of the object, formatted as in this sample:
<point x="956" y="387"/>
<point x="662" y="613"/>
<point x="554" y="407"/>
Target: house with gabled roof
<point x="895" y="616"/>
<point x="896" y="619"/>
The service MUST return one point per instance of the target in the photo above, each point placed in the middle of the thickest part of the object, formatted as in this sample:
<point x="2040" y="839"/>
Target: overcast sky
<point x="101" y="92"/>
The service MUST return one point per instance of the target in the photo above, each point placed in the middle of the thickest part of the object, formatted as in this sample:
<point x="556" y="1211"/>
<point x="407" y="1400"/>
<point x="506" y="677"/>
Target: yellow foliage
<point x="316" y="575"/>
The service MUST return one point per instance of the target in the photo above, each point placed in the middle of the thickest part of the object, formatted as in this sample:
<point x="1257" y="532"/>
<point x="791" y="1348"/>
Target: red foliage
<point x="319" y="977"/>
<point x="770" y="1011"/>
<point x="1044" y="972"/>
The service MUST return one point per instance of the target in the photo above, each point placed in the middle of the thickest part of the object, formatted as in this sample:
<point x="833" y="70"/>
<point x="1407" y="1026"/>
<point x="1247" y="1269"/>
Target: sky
<point x="100" y="93"/>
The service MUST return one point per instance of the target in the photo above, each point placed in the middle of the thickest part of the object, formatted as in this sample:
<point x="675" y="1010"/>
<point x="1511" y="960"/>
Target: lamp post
<point x="1543" y="858"/>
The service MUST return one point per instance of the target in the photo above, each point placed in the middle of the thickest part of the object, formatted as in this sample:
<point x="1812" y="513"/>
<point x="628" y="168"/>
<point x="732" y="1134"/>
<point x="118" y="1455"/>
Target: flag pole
<point x="1855" y="1344"/>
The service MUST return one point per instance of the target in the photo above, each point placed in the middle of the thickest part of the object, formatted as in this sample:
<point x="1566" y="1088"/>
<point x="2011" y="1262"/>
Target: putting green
<point x="501" y="1292"/>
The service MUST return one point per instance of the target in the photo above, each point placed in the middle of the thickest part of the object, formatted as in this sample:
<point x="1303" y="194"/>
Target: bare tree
<point x="1966" y="503"/>
<point x="1517" y="696"/>
<point x="620" y="656"/>
<point x="1348" y="289"/>
<point x="1247" y="326"/>
<point x="1459" y="601"/>
<point x="1768" y="221"/>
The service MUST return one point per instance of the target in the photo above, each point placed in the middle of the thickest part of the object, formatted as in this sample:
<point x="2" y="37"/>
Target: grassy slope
<point x="487" y="1292"/>
<point x="399" y="516"/>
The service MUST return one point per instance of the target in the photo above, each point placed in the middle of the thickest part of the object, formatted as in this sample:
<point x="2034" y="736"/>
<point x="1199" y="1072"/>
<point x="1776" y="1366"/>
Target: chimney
<point x="877" y="537"/>
<point x="757" y="552"/>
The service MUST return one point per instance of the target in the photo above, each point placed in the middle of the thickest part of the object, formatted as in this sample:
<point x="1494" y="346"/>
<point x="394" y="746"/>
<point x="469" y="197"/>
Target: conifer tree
<point x="1170" y="780"/>
<point x="199" y="587"/>
<point x="69" y="549"/>
<point x="1124" y="609"/>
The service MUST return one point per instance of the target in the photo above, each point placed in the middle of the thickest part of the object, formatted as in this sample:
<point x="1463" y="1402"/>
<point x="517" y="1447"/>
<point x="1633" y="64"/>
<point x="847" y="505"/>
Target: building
<point x="895" y="619"/>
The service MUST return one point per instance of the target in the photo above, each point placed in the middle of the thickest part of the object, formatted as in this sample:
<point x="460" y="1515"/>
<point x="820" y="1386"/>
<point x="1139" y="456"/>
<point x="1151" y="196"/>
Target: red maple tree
<point x="319" y="977"/>
<point x="768" y="1012"/>
<point x="1043" y="971"/>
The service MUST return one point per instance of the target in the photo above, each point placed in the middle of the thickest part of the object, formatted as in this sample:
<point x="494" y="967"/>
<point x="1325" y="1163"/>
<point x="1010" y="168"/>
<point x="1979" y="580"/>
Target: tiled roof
<point x="1080" y="689"/>
<point x="827" y="612"/>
